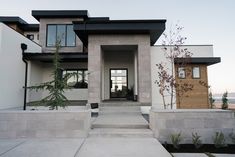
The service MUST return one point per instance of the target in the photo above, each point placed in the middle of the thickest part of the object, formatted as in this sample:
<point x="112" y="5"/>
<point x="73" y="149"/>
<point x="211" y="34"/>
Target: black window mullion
<point x="65" y="35"/>
<point x="56" y="35"/>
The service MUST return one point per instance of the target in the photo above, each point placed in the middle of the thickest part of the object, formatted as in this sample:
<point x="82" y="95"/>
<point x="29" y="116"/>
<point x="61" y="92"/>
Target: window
<point x="196" y="72"/>
<point x="79" y="79"/>
<point x="30" y="36"/>
<point x="181" y="72"/>
<point x="64" y="33"/>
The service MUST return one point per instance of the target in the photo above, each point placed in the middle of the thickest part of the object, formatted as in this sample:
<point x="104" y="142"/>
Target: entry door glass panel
<point x="118" y="83"/>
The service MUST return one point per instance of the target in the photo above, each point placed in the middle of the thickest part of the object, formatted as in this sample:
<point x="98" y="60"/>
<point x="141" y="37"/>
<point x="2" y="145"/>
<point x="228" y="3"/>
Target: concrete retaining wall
<point x="44" y="124"/>
<point x="205" y="122"/>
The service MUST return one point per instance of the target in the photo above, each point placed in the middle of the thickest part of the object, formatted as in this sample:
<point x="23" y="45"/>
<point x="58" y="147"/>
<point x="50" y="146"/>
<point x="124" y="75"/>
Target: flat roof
<point x="198" y="60"/>
<point x="152" y="27"/>
<point x="37" y="14"/>
<point x="12" y="19"/>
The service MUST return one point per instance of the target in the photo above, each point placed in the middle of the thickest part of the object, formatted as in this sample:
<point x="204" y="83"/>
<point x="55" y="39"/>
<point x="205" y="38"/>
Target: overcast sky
<point x="204" y="22"/>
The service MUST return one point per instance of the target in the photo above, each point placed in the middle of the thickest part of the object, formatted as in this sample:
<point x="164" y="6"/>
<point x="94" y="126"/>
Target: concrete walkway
<point x="39" y="147"/>
<point x="122" y="147"/>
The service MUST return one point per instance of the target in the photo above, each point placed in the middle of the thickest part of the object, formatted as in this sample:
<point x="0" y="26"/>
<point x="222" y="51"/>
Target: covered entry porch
<point x="119" y="72"/>
<point x="119" y="64"/>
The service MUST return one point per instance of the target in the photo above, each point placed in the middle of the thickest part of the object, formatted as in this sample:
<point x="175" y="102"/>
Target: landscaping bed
<point x="190" y="148"/>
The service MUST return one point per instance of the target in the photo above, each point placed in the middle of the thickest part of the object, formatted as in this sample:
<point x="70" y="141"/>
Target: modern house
<point x="113" y="59"/>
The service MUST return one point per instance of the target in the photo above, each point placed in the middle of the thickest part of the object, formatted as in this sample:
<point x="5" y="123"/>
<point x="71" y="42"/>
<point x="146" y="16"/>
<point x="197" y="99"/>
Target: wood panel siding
<point x="197" y="98"/>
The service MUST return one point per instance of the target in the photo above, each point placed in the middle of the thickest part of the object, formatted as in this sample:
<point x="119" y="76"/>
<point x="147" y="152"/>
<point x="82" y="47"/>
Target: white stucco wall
<point x="117" y="60"/>
<point x="41" y="72"/>
<point x="157" y="56"/>
<point x="12" y="68"/>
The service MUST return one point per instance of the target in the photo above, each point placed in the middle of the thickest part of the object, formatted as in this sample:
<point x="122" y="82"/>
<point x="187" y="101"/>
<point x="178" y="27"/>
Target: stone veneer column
<point x="144" y="72"/>
<point x="94" y="69"/>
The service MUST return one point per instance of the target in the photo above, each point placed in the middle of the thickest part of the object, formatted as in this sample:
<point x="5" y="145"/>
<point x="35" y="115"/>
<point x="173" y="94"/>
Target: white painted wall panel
<point x="41" y="72"/>
<point x="12" y="68"/>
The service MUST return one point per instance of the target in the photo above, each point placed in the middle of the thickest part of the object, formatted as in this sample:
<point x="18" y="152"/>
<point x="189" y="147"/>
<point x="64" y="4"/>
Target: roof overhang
<point x="64" y="57"/>
<point x="12" y="20"/>
<point x="37" y="14"/>
<point x="152" y="27"/>
<point x="198" y="60"/>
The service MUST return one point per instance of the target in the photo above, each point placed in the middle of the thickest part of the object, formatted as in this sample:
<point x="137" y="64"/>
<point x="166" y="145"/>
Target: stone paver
<point x="122" y="147"/>
<point x="189" y="155"/>
<point x="44" y="148"/>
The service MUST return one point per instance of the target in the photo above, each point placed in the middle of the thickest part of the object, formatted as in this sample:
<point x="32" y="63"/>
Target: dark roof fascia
<point x="48" y="57"/>
<point x="12" y="20"/>
<point x="153" y="27"/>
<point x="37" y="14"/>
<point x="30" y="27"/>
<point x="198" y="60"/>
<point x="98" y="19"/>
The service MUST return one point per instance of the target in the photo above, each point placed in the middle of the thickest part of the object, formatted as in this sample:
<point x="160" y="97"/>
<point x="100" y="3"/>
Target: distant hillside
<point x="232" y="94"/>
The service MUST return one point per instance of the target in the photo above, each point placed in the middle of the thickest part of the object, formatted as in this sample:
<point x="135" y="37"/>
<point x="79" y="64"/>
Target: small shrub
<point x="232" y="136"/>
<point x="176" y="139"/>
<point x="211" y="100"/>
<point x="196" y="140"/>
<point x="219" y="140"/>
<point x="225" y="101"/>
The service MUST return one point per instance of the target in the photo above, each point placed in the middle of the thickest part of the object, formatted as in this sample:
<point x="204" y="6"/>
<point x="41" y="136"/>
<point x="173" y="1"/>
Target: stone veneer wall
<point x="203" y="121"/>
<point x="95" y="64"/>
<point x="44" y="124"/>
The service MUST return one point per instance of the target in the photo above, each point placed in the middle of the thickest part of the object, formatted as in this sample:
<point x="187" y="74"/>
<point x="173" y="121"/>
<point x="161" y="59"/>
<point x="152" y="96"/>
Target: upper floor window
<point x="64" y="33"/>
<point x="181" y="73"/>
<point x="30" y="36"/>
<point x="196" y="72"/>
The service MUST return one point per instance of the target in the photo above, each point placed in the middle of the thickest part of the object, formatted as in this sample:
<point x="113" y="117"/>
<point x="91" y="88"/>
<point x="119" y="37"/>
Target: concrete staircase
<point x="120" y="120"/>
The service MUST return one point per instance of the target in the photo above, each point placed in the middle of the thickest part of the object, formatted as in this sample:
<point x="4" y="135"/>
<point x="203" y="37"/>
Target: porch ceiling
<point x="152" y="27"/>
<point x="48" y="57"/>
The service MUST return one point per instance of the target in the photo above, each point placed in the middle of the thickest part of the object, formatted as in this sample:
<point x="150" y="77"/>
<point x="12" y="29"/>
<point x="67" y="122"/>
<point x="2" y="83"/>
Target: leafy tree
<point x="172" y="42"/>
<point x="55" y="87"/>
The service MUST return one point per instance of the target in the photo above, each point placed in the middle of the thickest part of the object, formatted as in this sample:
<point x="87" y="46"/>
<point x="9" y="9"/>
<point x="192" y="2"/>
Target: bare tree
<point x="172" y="48"/>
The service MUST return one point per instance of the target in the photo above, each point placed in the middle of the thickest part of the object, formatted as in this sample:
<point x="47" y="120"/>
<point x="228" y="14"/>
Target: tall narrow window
<point x="51" y="35"/>
<point x="61" y="34"/>
<point x="70" y="36"/>
<point x="196" y="72"/>
<point x="181" y="73"/>
<point x="64" y="33"/>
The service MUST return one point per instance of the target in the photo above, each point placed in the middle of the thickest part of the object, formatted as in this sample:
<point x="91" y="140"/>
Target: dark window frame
<point x="29" y="36"/>
<point x="64" y="37"/>
<point x="110" y="85"/>
<point x="179" y="73"/>
<point x="199" y="72"/>
<point x="83" y="76"/>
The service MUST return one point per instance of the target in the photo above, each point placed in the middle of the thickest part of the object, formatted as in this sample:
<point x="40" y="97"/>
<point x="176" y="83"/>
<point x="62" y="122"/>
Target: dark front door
<point x="118" y="83"/>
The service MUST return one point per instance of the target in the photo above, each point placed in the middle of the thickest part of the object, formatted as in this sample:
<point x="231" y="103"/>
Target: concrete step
<point x="111" y="132"/>
<point x="118" y="109"/>
<point x="123" y="126"/>
<point x="119" y="103"/>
